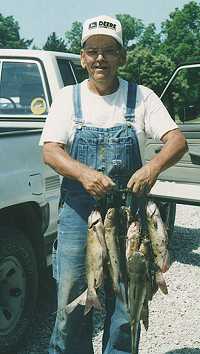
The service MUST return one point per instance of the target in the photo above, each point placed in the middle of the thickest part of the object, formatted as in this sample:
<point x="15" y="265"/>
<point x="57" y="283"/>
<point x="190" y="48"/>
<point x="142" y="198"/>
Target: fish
<point x="96" y="253"/>
<point x="113" y="249"/>
<point x="137" y="291"/>
<point x="158" y="236"/>
<point x="159" y="242"/>
<point x="133" y="239"/>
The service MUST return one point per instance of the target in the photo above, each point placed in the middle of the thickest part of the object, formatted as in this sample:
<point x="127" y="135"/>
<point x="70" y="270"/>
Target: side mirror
<point x="189" y="113"/>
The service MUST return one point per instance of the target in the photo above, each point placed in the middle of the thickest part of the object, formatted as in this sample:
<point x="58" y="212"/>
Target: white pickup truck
<point x="29" y="80"/>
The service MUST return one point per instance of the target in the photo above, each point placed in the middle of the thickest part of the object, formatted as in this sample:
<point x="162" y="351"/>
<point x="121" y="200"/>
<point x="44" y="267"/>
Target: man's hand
<point x="173" y="149"/>
<point x="95" y="183"/>
<point x="143" y="180"/>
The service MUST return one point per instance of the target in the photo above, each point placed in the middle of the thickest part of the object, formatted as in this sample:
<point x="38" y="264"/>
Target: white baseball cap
<point x="105" y="25"/>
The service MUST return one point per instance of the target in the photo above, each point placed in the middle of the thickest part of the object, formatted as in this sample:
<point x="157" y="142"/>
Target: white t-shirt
<point x="151" y="117"/>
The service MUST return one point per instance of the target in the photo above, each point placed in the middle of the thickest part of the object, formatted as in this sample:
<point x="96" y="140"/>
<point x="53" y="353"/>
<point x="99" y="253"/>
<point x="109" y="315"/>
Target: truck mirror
<point x="189" y="113"/>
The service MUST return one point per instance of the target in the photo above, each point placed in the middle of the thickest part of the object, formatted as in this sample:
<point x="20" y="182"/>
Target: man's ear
<point x="82" y="59"/>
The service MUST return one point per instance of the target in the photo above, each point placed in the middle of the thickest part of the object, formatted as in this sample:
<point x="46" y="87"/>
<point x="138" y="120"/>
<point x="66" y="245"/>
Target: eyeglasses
<point x="108" y="53"/>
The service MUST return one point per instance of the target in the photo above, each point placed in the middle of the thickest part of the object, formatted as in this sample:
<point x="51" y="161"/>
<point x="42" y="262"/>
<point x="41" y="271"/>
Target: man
<point x="92" y="128"/>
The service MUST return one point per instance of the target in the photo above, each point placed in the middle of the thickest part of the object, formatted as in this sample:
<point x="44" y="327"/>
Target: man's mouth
<point x="100" y="67"/>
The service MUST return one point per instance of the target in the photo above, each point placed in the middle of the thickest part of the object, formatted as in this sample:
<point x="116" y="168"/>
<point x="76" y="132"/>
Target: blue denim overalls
<point x="101" y="149"/>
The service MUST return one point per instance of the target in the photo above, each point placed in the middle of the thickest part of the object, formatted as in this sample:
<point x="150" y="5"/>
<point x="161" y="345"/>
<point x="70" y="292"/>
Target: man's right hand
<point x="95" y="183"/>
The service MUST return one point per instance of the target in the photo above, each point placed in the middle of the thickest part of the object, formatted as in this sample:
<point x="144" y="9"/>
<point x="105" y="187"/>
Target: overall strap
<point x="131" y="101"/>
<point x="78" y="118"/>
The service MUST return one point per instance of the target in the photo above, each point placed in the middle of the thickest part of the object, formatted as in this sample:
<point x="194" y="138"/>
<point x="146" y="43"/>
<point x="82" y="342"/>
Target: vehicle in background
<point x="29" y="80"/>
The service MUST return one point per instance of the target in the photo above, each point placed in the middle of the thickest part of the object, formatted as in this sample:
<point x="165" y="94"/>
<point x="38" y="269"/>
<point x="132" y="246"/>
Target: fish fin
<point x="161" y="283"/>
<point x="145" y="315"/>
<point x="145" y="323"/>
<point x="92" y="301"/>
<point x="166" y="263"/>
<point x="134" y="333"/>
<point x="80" y="300"/>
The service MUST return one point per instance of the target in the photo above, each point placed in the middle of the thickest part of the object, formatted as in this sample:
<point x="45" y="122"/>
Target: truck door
<point x="24" y="104"/>
<point x="181" y="97"/>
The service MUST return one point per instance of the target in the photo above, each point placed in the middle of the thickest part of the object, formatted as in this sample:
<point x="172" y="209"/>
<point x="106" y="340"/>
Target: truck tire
<point x="168" y="214"/>
<point x="18" y="287"/>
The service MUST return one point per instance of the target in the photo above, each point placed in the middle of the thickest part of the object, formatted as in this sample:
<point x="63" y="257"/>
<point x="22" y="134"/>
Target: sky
<point x="39" y="18"/>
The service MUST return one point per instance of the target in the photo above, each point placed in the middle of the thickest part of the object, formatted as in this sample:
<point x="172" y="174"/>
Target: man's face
<point x="102" y="56"/>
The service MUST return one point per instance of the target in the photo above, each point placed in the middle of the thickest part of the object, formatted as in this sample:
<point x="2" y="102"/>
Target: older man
<point x="92" y="127"/>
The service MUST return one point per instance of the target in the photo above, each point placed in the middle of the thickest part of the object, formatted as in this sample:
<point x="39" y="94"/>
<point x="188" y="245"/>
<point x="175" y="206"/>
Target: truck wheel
<point x="168" y="214"/>
<point x="18" y="287"/>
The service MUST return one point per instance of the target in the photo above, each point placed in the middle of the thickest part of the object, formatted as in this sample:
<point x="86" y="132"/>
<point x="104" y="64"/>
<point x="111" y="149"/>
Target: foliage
<point x="132" y="28"/>
<point x="150" y="39"/>
<point x="9" y="34"/>
<point x="181" y="33"/>
<point x="73" y="38"/>
<point x="145" y="68"/>
<point x="55" y="43"/>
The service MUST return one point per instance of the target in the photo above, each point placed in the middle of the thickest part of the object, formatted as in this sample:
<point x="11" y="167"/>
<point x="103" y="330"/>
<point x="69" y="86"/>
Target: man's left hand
<point x="143" y="180"/>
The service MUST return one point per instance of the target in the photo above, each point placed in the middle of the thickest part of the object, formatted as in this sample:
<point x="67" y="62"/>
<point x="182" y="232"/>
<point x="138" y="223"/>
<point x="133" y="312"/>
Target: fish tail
<point x="92" y="301"/>
<point x="80" y="300"/>
<point x="161" y="283"/>
<point x="134" y="334"/>
<point x="145" y="315"/>
<point x="166" y="263"/>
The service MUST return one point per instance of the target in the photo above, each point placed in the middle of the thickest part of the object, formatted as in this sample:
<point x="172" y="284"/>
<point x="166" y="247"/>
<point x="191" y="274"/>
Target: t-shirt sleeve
<point x="157" y="119"/>
<point x="58" y="124"/>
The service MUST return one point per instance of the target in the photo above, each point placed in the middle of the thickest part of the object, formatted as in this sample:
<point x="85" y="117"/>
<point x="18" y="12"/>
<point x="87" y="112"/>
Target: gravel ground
<point x="174" y="318"/>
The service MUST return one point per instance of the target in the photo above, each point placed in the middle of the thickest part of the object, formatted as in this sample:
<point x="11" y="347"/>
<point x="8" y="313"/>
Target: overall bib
<point x="102" y="149"/>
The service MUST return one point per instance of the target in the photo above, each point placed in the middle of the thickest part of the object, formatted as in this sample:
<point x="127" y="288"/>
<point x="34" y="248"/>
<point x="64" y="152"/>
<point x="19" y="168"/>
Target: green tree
<point x="132" y="29"/>
<point x="55" y="43"/>
<point x="145" y="68"/>
<point x="73" y="38"/>
<point x="9" y="34"/>
<point x="181" y="33"/>
<point x="150" y="39"/>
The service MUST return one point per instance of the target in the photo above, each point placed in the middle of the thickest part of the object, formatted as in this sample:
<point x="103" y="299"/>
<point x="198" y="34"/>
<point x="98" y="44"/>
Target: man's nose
<point x="100" y="56"/>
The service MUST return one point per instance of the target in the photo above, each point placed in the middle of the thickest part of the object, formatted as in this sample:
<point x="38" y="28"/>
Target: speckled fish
<point x="158" y="236"/>
<point x="159" y="241"/>
<point x="112" y="244"/>
<point x="95" y="256"/>
<point x="132" y="239"/>
<point x="137" y="290"/>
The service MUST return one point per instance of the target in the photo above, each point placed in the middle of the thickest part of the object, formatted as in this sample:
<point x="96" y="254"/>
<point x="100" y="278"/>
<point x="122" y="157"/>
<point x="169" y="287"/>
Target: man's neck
<point x="103" y="88"/>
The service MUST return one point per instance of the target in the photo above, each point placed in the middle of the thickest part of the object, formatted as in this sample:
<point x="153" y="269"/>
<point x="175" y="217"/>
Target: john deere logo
<point x="106" y="24"/>
<point x="93" y="25"/>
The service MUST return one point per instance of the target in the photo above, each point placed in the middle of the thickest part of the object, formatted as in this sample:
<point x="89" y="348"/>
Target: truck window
<point x="66" y="72"/>
<point x="21" y="89"/>
<point x="80" y="73"/>
<point x="182" y="98"/>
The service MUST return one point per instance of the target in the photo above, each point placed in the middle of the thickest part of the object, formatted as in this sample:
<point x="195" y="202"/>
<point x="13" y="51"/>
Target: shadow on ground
<point x="37" y="340"/>
<point x="183" y="244"/>
<point x="185" y="351"/>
